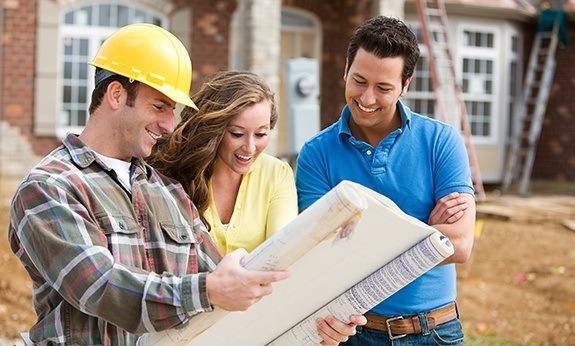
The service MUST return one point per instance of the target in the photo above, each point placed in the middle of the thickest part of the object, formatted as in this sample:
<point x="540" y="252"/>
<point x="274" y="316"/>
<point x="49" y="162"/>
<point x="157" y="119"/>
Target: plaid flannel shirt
<point x="108" y="265"/>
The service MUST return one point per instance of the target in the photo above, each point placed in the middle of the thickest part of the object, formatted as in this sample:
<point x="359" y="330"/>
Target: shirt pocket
<point x="124" y="238"/>
<point x="180" y="248"/>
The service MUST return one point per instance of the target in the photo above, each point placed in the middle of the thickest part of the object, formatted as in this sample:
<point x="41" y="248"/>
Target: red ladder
<point x="448" y="93"/>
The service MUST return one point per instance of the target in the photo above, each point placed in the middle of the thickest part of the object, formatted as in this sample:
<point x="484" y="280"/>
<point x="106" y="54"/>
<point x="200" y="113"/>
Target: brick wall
<point x="18" y="66"/>
<point x="18" y="54"/>
<point x="210" y="38"/>
<point x="555" y="158"/>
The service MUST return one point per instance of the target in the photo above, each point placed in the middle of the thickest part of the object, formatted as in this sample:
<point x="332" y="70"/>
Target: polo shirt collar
<point x="405" y="113"/>
<point x="343" y="122"/>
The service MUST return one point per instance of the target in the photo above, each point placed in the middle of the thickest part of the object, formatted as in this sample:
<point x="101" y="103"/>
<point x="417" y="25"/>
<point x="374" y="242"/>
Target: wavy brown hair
<point x="188" y="155"/>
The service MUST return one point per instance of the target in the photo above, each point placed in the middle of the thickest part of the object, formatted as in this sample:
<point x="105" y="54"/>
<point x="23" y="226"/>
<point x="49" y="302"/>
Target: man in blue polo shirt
<point x="412" y="159"/>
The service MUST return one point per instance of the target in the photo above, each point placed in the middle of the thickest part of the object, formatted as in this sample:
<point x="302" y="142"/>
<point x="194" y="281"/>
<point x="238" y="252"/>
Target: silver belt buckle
<point x="389" y="333"/>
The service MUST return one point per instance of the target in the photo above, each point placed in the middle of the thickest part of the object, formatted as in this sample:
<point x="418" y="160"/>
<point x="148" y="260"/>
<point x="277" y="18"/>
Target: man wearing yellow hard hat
<point x="114" y="248"/>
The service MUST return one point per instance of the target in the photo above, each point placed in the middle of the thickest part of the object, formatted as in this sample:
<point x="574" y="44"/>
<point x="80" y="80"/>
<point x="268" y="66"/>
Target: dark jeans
<point x="448" y="333"/>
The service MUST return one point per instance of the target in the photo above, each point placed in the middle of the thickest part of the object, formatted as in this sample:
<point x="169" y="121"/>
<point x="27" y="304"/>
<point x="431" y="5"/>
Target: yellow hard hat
<point x="151" y="55"/>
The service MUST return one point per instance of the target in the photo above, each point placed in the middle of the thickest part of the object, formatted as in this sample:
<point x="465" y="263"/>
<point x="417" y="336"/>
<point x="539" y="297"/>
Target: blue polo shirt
<point x="414" y="166"/>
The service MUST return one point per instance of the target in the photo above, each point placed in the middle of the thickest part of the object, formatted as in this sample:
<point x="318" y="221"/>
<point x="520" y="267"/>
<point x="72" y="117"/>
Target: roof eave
<point x="482" y="11"/>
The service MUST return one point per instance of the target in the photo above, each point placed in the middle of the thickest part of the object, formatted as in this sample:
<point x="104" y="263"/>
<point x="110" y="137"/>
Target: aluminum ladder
<point x="531" y="112"/>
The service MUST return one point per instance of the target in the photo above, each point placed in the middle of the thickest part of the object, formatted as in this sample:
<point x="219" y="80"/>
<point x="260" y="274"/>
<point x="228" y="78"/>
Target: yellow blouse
<point x="266" y="201"/>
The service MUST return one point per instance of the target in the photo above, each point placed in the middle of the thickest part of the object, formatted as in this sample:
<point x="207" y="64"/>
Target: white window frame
<point x="483" y="53"/>
<point x="95" y="35"/>
<point x="457" y="27"/>
<point x="513" y="121"/>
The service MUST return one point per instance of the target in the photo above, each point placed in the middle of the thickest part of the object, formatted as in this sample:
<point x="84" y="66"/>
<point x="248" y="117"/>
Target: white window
<point x="477" y="83"/>
<point x="479" y="54"/>
<point x="82" y="31"/>
<point x="476" y="53"/>
<point x="421" y="97"/>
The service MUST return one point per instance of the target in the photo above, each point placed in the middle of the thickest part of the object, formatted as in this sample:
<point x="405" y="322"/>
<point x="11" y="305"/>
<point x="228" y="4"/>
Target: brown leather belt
<point x="399" y="326"/>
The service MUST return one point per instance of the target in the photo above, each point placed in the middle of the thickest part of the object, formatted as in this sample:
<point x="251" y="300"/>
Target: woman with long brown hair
<point x="243" y="194"/>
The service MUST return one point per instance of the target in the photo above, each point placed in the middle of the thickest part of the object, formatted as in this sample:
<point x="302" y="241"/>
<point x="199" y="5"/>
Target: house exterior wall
<point x="18" y="61"/>
<point x="555" y="158"/>
<point x="208" y="40"/>
<point x="18" y="73"/>
<point x="17" y="138"/>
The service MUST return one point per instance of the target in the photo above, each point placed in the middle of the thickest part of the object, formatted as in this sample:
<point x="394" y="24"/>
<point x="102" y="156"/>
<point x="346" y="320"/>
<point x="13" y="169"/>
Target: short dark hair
<point x="386" y="37"/>
<point x="100" y="89"/>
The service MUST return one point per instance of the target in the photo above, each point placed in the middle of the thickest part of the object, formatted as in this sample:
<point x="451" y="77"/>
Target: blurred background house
<point x="299" y="47"/>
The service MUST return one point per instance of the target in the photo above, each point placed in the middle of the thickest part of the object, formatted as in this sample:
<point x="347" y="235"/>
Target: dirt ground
<point x="519" y="288"/>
